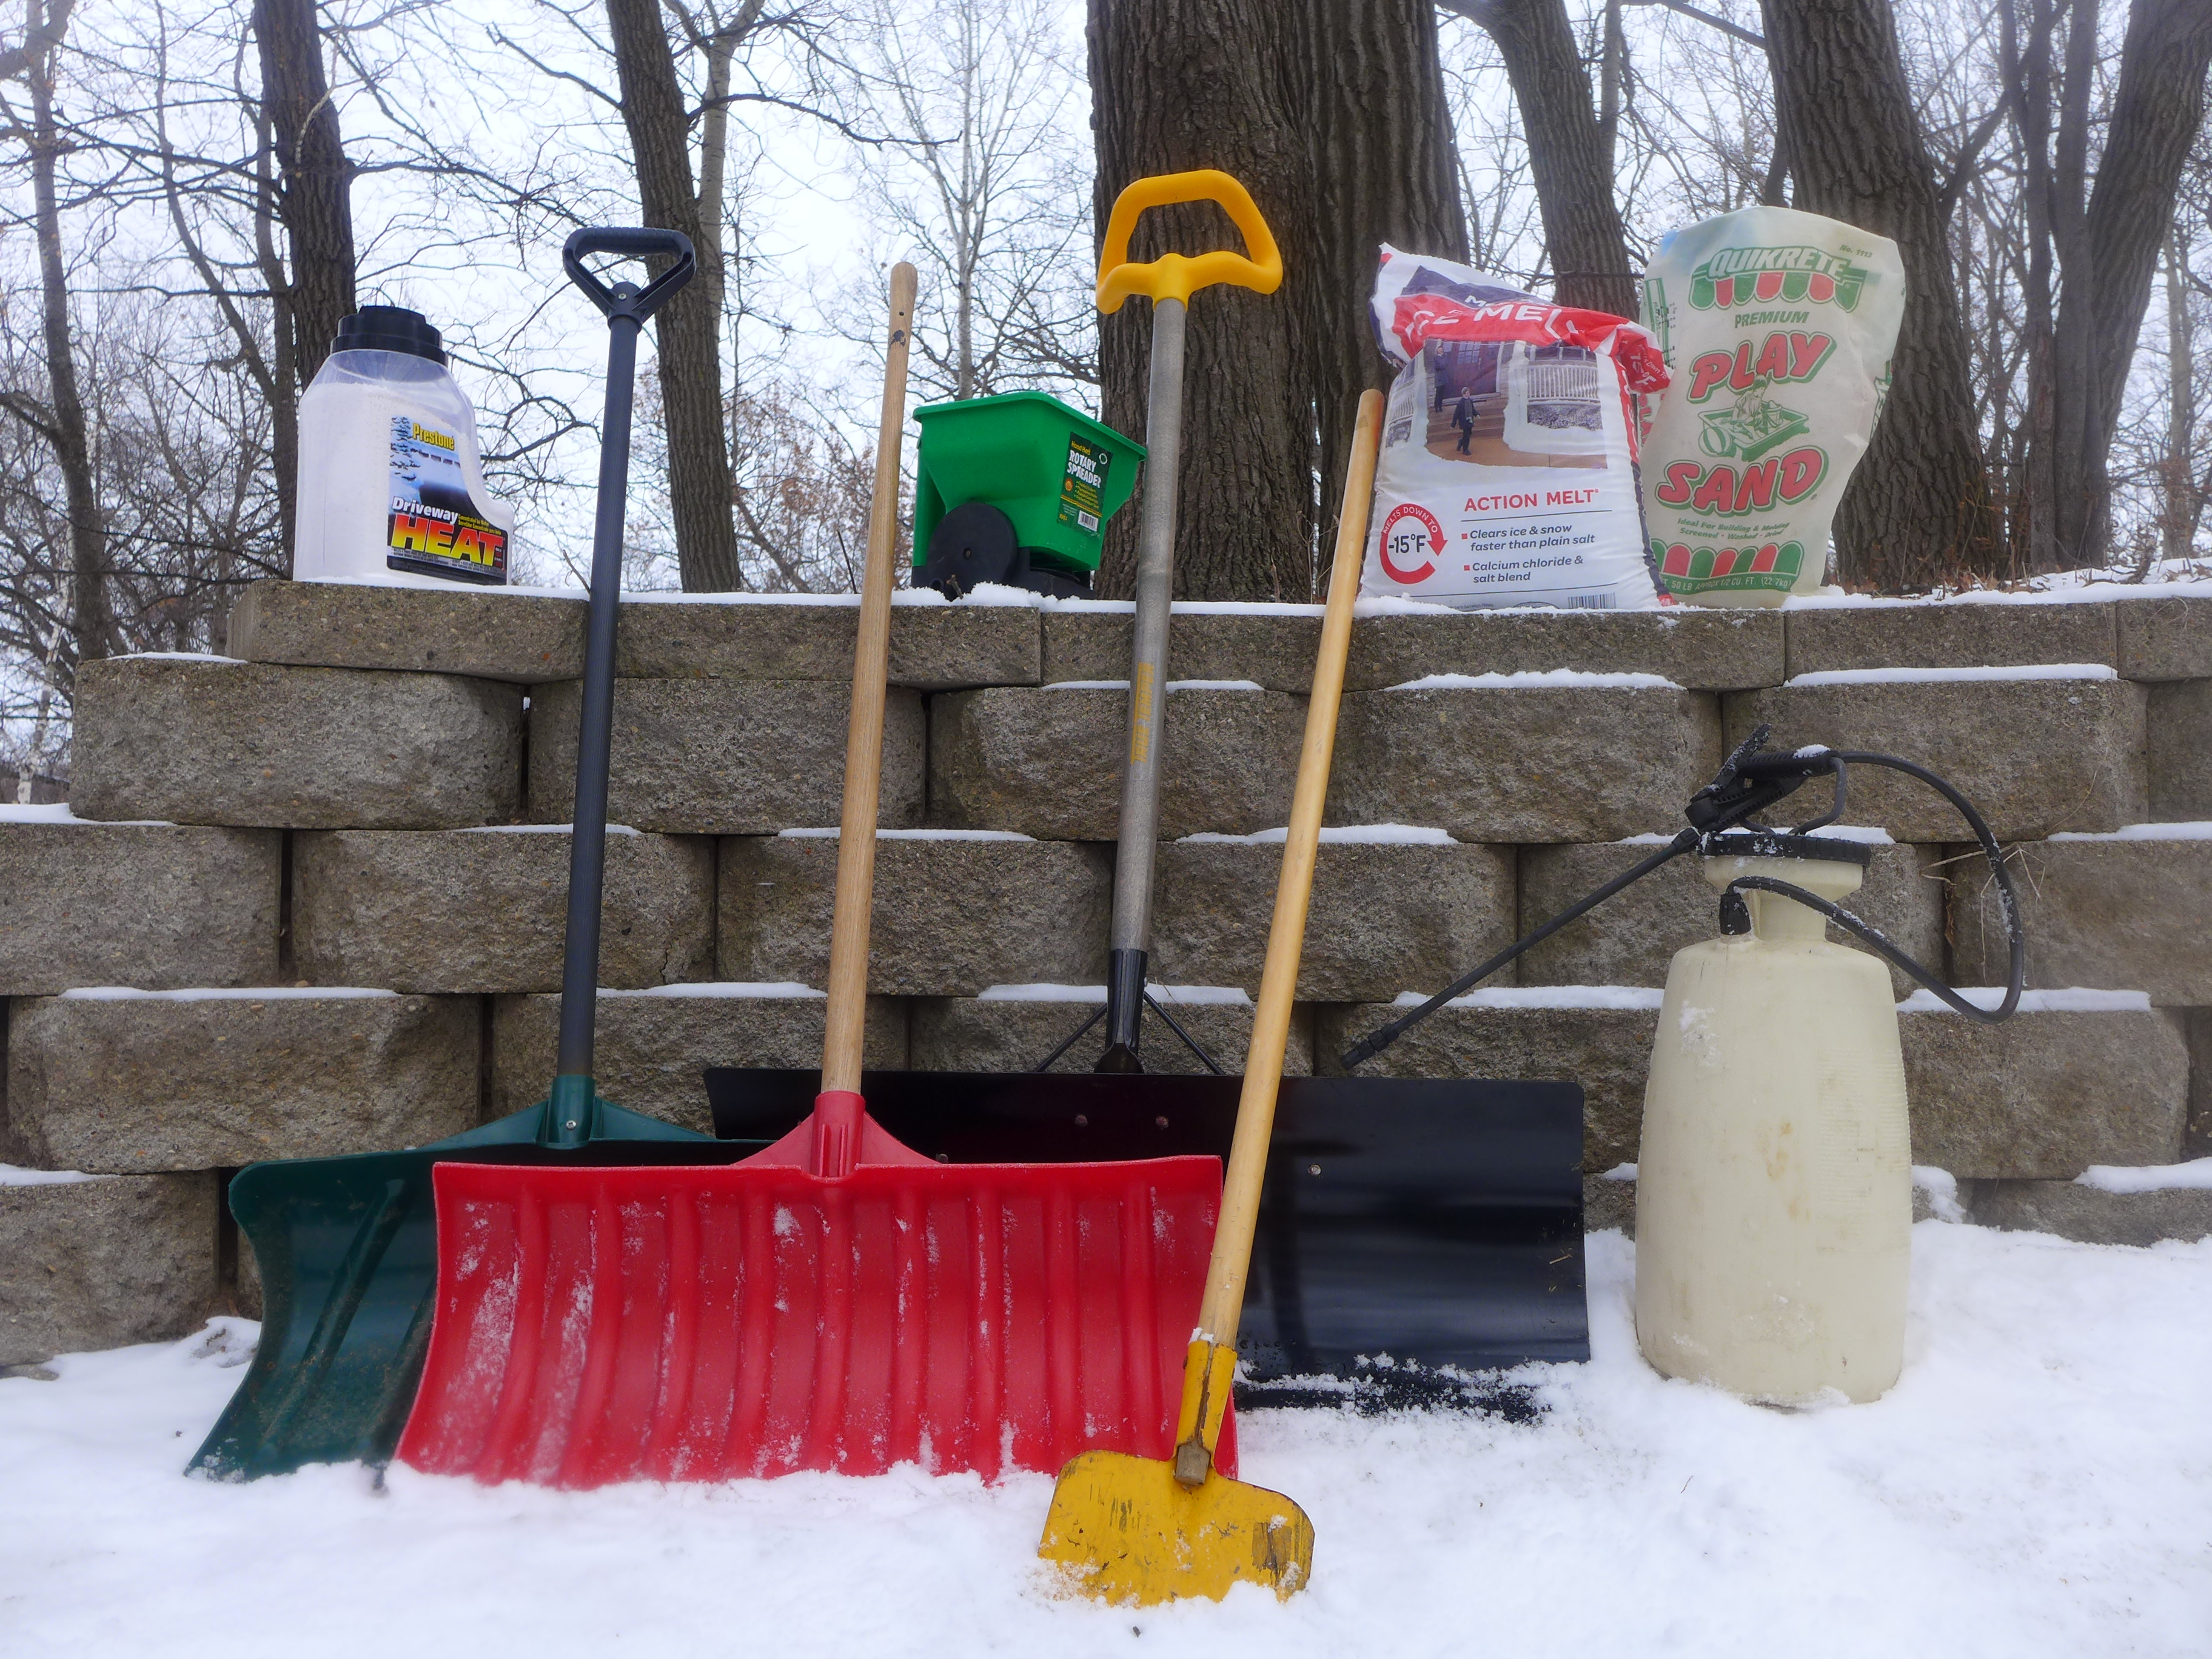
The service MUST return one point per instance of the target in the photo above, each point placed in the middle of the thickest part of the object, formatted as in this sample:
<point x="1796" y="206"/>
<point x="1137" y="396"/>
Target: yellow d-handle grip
<point x="1173" y="277"/>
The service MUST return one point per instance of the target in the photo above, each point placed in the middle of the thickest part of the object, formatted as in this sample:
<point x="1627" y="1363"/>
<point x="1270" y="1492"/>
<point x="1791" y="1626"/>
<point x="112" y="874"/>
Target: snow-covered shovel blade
<point x="601" y="1325"/>
<point x="1127" y="1531"/>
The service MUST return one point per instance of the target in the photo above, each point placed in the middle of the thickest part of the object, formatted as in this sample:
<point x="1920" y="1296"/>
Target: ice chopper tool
<point x="1131" y="1529"/>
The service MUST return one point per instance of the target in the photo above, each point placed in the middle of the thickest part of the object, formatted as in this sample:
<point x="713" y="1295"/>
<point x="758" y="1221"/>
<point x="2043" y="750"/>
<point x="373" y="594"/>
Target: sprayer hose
<point x="2008" y="899"/>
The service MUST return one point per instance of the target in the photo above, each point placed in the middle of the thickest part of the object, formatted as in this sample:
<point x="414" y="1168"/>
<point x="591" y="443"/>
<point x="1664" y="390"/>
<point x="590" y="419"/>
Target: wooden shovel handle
<point x="864" y="737"/>
<point x="1279" y="980"/>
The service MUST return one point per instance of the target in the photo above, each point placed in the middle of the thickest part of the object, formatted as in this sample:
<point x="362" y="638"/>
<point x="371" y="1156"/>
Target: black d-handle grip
<point x="639" y="244"/>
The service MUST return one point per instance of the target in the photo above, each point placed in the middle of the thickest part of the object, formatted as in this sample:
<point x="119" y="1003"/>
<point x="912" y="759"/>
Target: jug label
<point x="436" y="526"/>
<point x="1083" y="485"/>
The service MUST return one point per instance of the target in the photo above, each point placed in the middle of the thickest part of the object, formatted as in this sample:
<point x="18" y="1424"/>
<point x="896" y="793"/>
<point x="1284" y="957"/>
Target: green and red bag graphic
<point x="1777" y="328"/>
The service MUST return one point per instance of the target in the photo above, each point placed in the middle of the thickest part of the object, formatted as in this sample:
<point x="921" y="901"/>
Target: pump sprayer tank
<point x="1774" y="1183"/>
<point x="1774" y="1192"/>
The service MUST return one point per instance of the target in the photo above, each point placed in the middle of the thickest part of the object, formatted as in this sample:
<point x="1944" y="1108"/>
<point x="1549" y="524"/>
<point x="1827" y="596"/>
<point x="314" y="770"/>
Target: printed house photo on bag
<point x="1508" y="473"/>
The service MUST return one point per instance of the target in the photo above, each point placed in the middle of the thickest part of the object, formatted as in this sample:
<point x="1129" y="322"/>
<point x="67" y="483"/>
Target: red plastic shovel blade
<point x="596" y="1325"/>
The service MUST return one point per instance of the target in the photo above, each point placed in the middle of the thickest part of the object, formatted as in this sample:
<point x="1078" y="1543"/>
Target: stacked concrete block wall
<point x="307" y="898"/>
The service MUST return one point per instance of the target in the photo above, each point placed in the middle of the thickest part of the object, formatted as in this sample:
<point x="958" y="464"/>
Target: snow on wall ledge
<point x="2078" y="1000"/>
<point x="2050" y="671"/>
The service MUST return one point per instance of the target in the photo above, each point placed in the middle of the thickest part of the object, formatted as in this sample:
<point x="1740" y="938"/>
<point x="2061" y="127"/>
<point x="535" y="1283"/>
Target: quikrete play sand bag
<point x="1509" y="450"/>
<point x="1777" y="328"/>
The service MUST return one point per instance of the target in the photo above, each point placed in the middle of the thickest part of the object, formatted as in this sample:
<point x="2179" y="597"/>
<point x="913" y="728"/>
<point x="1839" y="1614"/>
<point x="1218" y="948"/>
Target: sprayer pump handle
<point x="1749" y="781"/>
<point x="623" y="299"/>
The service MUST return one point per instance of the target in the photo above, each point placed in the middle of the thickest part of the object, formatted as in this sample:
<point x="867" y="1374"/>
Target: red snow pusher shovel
<point x="836" y="1302"/>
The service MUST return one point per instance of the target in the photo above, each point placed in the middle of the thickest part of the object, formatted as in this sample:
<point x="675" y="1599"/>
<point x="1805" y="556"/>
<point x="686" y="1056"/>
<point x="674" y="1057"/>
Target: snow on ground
<point x="2038" y="1483"/>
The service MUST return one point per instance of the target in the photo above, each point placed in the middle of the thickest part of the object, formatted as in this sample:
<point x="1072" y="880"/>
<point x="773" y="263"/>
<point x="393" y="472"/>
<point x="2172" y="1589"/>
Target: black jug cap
<point x="1754" y="843"/>
<point x="390" y="328"/>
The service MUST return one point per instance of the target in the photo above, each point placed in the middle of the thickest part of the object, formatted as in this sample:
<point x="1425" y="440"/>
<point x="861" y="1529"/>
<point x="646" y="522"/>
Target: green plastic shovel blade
<point x="348" y="1252"/>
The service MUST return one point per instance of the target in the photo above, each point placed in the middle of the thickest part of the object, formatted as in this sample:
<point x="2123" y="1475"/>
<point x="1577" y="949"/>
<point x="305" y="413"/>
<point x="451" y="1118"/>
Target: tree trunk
<point x="94" y="623"/>
<point x="2181" y="503"/>
<point x="1372" y="104"/>
<point x="1918" y="511"/>
<point x="1570" y="152"/>
<point x="2027" y="73"/>
<point x="2107" y="265"/>
<point x="1179" y="84"/>
<point x="279" y="377"/>
<point x="687" y="329"/>
<point x="314" y="179"/>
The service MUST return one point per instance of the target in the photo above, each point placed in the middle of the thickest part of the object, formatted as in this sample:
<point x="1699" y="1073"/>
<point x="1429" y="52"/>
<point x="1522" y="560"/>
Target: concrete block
<point x="208" y="740"/>
<point x="1704" y="650"/>
<point x="652" y="1046"/>
<point x="2120" y="914"/>
<point x="486" y="910"/>
<point x="1046" y="762"/>
<point x="2092" y="1216"/>
<point x="2179" y="727"/>
<point x="935" y="647"/>
<point x="184" y="1080"/>
<point x="486" y="633"/>
<point x="951" y="917"/>
<point x="2196" y="1138"/>
<point x="1273" y="647"/>
<point x="1958" y="634"/>
<point x="724" y="757"/>
<point x="155" y="906"/>
<point x="965" y="1034"/>
<point x="104" y="1262"/>
<point x="1524" y="763"/>
<point x="1516" y="1037"/>
<point x="2034" y="755"/>
<point x="1608" y="1203"/>
<point x="2165" y="636"/>
<point x="2046" y="1094"/>
<point x="1631" y="939"/>
<point x="1385" y="917"/>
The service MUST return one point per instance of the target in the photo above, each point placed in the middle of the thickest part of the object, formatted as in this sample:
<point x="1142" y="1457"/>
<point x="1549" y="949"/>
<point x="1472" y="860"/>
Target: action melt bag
<point x="1778" y="327"/>
<point x="1508" y="473"/>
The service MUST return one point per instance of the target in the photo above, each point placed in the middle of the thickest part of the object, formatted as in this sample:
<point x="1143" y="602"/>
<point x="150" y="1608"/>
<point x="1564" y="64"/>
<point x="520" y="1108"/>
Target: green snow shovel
<point x="347" y="1247"/>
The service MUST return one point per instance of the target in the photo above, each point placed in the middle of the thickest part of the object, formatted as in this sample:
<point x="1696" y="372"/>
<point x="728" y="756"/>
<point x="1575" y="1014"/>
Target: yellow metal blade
<point x="1128" y="1532"/>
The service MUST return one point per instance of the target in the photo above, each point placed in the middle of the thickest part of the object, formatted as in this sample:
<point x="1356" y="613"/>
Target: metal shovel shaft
<point x="587" y="841"/>
<point x="1132" y="928"/>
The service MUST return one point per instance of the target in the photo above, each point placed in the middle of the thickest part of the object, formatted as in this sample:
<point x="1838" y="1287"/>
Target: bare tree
<point x="1334" y="116"/>
<point x="2104" y="237"/>
<point x="58" y="417"/>
<point x="1384" y="169"/>
<point x="1175" y="85"/>
<point x="1918" y="510"/>
<point x="1570" y="148"/>
<point x="976" y="179"/>
<point x="688" y="328"/>
<point x="2185" y="482"/>
<point x="314" y="181"/>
